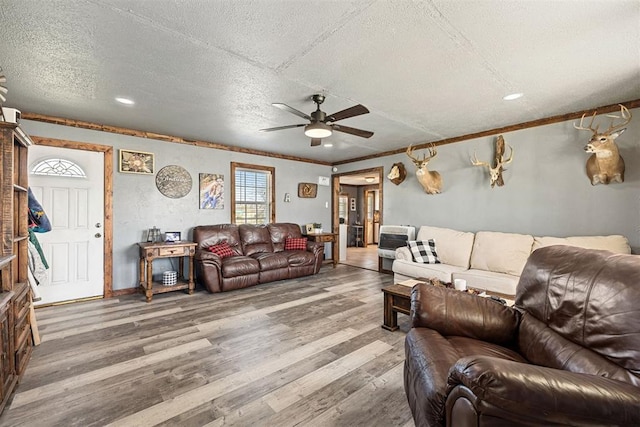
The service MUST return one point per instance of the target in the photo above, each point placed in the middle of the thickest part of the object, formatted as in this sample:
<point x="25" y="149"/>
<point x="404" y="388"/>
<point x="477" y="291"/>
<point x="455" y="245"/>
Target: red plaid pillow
<point x="223" y="250"/>
<point x="295" y="244"/>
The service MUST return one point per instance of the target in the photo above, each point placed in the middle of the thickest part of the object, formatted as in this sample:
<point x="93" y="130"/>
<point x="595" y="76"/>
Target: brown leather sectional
<point x="259" y="255"/>
<point x="567" y="354"/>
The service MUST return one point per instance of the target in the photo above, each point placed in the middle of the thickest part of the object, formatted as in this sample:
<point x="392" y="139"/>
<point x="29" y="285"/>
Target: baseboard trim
<point x="121" y="292"/>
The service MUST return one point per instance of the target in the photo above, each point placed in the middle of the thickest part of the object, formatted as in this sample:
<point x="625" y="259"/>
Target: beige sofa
<point x="488" y="260"/>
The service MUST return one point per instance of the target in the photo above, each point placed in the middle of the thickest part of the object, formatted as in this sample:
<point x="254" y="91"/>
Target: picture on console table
<point x="136" y="162"/>
<point x="211" y="191"/>
<point x="172" y="236"/>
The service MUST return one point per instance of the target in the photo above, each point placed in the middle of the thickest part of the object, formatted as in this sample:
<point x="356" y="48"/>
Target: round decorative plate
<point x="173" y="181"/>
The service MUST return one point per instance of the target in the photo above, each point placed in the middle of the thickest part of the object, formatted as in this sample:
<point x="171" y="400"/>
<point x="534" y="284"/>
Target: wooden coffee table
<point x="397" y="299"/>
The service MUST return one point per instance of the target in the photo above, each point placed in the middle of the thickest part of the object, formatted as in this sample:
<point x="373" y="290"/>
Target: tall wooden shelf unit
<point x="15" y="295"/>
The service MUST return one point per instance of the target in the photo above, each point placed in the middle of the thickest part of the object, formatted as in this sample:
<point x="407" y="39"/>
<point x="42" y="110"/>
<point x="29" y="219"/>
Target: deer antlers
<point x="495" y="173"/>
<point x="418" y="162"/>
<point x="499" y="164"/>
<point x="625" y="115"/>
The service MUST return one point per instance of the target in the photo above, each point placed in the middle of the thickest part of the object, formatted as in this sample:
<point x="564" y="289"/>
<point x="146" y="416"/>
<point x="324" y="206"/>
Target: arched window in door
<point x="58" y="167"/>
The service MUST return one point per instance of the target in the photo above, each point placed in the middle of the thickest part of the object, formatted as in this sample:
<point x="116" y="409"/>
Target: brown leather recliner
<point x="568" y="354"/>
<point x="259" y="255"/>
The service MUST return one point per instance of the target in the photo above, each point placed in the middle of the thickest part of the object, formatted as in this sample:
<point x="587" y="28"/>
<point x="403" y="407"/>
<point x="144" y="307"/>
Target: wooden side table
<point x="151" y="251"/>
<point x="327" y="238"/>
<point x="397" y="299"/>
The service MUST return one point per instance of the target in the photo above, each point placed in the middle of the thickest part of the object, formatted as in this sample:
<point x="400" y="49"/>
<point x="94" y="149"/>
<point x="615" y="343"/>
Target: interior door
<point x="74" y="248"/>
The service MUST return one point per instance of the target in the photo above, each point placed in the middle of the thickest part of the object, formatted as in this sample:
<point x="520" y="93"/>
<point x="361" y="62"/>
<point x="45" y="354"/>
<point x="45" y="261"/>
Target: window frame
<point x="272" y="184"/>
<point x="69" y="166"/>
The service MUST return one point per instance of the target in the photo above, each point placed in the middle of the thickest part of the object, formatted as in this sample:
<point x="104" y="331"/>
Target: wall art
<point x="307" y="190"/>
<point x="211" y="191"/>
<point x="136" y="162"/>
<point x="173" y="181"/>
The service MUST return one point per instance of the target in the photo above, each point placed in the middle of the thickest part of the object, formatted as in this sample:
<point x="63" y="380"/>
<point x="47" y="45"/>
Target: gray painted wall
<point x="546" y="189"/>
<point x="138" y="205"/>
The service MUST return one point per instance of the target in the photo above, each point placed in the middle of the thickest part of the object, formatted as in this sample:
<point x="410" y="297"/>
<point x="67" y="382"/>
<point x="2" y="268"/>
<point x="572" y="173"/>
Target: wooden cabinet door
<point x="6" y="358"/>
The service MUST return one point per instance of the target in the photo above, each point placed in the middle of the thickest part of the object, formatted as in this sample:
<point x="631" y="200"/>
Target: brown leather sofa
<point x="568" y="354"/>
<point x="259" y="255"/>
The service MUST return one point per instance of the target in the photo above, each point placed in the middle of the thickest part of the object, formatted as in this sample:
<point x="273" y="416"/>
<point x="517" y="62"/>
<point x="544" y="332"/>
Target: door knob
<point x="98" y="225"/>
<point x="98" y="235"/>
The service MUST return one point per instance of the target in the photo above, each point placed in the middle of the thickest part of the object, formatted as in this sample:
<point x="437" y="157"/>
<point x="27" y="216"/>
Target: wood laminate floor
<point x="366" y="257"/>
<point x="307" y="352"/>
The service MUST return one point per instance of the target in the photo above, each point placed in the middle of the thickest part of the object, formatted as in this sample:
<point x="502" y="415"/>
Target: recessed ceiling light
<point x="512" y="96"/>
<point x="327" y="144"/>
<point x="125" y="101"/>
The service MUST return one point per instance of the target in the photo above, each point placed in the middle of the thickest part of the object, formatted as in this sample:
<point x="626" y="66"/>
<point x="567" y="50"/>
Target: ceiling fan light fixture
<point x="369" y="179"/>
<point x="317" y="130"/>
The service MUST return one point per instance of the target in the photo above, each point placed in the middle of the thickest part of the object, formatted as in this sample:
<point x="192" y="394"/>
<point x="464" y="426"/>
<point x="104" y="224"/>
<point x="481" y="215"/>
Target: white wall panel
<point x="59" y="202"/>
<point x="59" y="263"/>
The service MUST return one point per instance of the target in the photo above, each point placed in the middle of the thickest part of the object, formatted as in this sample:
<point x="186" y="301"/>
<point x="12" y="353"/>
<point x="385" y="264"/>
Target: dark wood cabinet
<point x="22" y="328"/>
<point x="7" y="372"/>
<point x="15" y="294"/>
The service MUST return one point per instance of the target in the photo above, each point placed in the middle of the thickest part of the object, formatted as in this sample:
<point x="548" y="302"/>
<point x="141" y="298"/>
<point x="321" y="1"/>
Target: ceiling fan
<point x="322" y="125"/>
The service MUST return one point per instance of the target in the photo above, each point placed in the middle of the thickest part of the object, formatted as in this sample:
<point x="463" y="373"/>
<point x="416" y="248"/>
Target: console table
<point x="151" y="251"/>
<point x="327" y="238"/>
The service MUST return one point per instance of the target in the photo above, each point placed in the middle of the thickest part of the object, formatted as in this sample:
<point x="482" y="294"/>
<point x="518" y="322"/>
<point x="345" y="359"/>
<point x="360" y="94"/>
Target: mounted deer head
<point x="605" y="165"/>
<point x="495" y="173"/>
<point x="397" y="174"/>
<point x="430" y="181"/>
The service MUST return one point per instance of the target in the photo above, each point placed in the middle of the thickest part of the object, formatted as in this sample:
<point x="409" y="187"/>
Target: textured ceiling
<point x="209" y="70"/>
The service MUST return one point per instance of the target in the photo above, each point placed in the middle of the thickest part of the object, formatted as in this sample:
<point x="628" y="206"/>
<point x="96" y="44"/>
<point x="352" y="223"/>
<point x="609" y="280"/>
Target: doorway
<point x="357" y="215"/>
<point x="76" y="196"/>
<point x="69" y="184"/>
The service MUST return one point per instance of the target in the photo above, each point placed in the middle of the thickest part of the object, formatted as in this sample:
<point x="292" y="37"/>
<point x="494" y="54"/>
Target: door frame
<point x="335" y="184"/>
<point x="108" y="200"/>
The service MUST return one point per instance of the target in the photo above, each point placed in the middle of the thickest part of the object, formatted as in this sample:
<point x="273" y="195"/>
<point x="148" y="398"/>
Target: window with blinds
<point x="252" y="198"/>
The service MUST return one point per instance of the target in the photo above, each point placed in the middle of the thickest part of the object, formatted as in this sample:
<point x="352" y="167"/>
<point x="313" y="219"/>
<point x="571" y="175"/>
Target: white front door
<point x="74" y="248"/>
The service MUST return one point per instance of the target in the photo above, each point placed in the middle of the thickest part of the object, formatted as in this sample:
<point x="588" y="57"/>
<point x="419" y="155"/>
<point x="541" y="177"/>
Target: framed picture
<point x="136" y="162"/>
<point x="307" y="190"/>
<point x="172" y="236"/>
<point x="211" y="191"/>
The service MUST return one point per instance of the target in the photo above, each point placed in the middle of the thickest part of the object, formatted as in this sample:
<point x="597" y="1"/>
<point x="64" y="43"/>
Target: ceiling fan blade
<point x="292" y="110"/>
<point x="356" y="110"/>
<point x="353" y="131"/>
<point x="281" y="127"/>
<point x="315" y="142"/>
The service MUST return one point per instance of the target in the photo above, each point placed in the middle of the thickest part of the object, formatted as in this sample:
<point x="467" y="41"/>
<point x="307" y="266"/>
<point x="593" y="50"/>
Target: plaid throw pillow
<point x="295" y="244"/>
<point x="223" y="250"/>
<point x="424" y="251"/>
